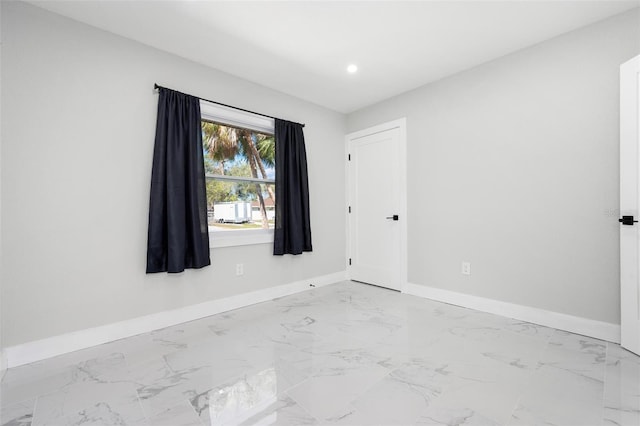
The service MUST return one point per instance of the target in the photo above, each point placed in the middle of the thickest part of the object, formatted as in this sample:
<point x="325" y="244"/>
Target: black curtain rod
<point x="156" y="87"/>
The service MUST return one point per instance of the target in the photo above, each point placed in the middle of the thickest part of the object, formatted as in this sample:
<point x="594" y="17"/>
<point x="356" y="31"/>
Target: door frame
<point x="401" y="125"/>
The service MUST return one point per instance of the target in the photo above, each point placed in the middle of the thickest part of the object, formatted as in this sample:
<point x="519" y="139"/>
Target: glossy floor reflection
<point x="346" y="354"/>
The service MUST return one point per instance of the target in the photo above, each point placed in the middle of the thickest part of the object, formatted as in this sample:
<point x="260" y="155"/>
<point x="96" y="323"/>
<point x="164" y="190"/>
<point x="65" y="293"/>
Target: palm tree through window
<point x="240" y="171"/>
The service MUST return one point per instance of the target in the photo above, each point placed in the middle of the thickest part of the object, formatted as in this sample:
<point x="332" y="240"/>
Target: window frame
<point x="238" y="118"/>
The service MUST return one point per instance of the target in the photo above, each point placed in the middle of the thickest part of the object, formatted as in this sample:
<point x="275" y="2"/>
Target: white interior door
<point x="377" y="215"/>
<point x="629" y="198"/>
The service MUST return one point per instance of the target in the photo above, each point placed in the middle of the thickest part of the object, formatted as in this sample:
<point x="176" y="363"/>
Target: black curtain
<point x="178" y="232"/>
<point x="292" y="234"/>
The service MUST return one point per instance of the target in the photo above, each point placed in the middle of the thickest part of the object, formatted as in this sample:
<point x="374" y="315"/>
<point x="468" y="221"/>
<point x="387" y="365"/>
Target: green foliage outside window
<point x="231" y="151"/>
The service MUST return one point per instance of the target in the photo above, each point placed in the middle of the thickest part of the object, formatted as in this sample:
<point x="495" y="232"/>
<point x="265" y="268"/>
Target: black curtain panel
<point x="178" y="232"/>
<point x="292" y="234"/>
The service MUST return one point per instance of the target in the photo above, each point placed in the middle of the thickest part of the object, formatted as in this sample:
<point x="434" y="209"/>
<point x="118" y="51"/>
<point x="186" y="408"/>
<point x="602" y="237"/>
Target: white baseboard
<point x="586" y="327"/>
<point x="57" y="345"/>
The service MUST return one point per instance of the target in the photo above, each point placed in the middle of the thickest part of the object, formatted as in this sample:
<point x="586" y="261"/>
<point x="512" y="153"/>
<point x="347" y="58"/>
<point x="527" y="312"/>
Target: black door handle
<point x="627" y="220"/>
<point x="394" y="217"/>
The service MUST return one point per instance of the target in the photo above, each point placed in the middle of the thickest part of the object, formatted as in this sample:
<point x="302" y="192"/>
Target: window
<point x="239" y="156"/>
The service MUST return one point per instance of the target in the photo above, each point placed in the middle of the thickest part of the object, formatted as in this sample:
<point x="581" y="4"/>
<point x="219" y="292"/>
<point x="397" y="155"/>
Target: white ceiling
<point x="303" y="47"/>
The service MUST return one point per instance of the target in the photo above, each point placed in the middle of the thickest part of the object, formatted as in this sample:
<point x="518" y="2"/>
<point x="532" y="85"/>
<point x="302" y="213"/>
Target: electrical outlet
<point x="466" y="268"/>
<point x="239" y="269"/>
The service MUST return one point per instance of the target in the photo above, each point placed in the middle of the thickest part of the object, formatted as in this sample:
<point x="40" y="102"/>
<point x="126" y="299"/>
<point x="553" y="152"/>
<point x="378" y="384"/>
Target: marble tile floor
<point x="345" y="354"/>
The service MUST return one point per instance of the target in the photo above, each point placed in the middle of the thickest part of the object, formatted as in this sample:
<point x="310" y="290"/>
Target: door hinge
<point x="349" y="209"/>
<point x="349" y="157"/>
<point x="349" y="261"/>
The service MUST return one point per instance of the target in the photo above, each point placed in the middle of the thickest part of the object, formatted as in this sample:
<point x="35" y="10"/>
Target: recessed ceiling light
<point x="352" y="68"/>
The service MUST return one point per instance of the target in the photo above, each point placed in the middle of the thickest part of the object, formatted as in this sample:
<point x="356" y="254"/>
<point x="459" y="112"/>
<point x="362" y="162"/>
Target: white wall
<point x="513" y="166"/>
<point x="79" y="118"/>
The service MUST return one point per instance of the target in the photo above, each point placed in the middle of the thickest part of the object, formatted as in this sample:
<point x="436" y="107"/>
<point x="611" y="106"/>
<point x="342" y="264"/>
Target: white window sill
<point x="247" y="237"/>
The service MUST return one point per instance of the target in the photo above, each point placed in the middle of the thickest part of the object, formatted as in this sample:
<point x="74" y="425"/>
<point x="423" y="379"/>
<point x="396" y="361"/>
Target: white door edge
<point x="629" y="199"/>
<point x="401" y="125"/>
